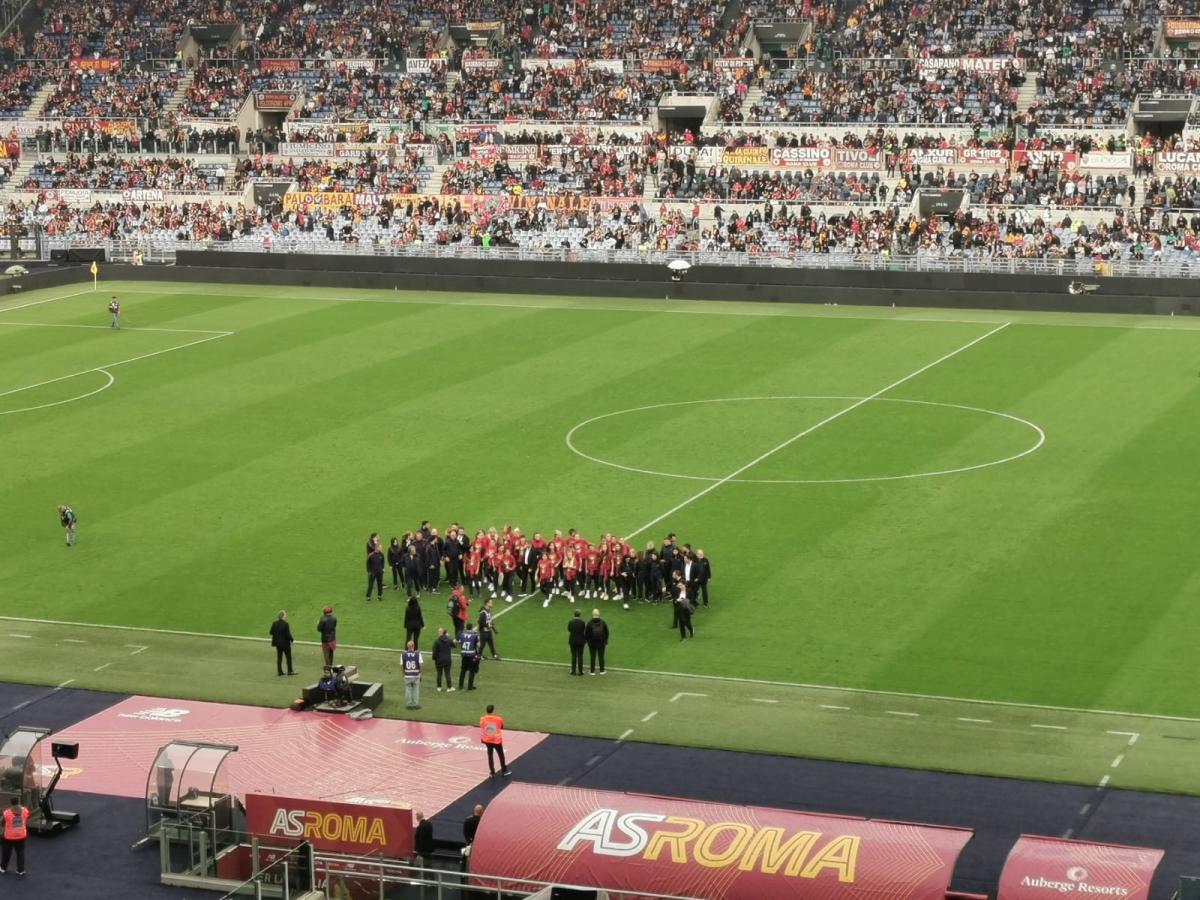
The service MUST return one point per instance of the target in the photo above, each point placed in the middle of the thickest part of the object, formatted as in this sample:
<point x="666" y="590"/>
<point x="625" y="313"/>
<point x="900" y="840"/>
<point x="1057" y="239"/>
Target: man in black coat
<point x="596" y="633"/>
<point x="414" y="569"/>
<point x="376" y="562"/>
<point x="413" y="621"/>
<point x="443" y="656"/>
<point x="703" y="574"/>
<point x="327" y="628"/>
<point x="433" y="561"/>
<point x="422" y="841"/>
<point x="576" y="639"/>
<point x="281" y="640"/>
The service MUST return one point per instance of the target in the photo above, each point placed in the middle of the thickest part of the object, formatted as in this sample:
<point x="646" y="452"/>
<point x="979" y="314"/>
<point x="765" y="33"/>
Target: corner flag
<point x="95" y="274"/>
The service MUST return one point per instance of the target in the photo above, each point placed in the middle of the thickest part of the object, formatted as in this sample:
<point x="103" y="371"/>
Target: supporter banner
<point x="314" y="150"/>
<point x="616" y="66"/>
<point x="515" y="153"/>
<point x="278" y="100"/>
<point x="74" y="196"/>
<point x="982" y="156"/>
<point x="662" y="65"/>
<point x="95" y="65"/>
<point x="483" y="26"/>
<point x="481" y="64"/>
<point x="1107" y="162"/>
<point x="1041" y="868"/>
<point x="983" y="64"/>
<point x="10" y="149"/>
<point x="424" y="65"/>
<point x="361" y="151"/>
<point x="142" y="195"/>
<point x="1181" y="29"/>
<point x="1067" y="160"/>
<point x="731" y="64"/>
<point x="802" y="157"/>
<point x="357" y="64"/>
<point x="120" y="128"/>
<point x="931" y="156"/>
<point x="642" y="844"/>
<point x="279" y="65"/>
<point x="350" y="828"/>
<point x="709" y="156"/>
<point x="746" y="156"/>
<point x="333" y="200"/>
<point x="1177" y="163"/>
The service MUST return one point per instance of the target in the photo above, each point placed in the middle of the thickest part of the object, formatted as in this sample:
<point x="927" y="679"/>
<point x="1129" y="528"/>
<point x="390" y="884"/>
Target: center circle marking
<point x="1040" y="439"/>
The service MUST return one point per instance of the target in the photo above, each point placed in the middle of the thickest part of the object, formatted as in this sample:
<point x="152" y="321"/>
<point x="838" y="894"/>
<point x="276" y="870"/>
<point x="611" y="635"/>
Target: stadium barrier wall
<point x="44" y="278"/>
<point x="947" y="290"/>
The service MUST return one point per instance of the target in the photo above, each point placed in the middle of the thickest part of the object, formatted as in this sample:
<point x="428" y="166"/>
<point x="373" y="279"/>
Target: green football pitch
<point x="951" y="540"/>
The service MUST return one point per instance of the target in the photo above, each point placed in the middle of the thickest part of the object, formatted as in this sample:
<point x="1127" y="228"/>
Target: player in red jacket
<point x="570" y="569"/>
<point x="471" y="567"/>
<point x="545" y="577"/>
<point x="508" y="567"/>
<point x="591" y="567"/>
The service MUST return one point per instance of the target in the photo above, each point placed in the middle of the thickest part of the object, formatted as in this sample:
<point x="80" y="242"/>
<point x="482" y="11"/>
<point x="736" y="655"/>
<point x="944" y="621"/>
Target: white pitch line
<point x="624" y="734"/>
<point x="92" y="393"/>
<point x="810" y="429"/>
<point x="1132" y="735"/>
<point x="101" y="668"/>
<point x="697" y="676"/>
<point x="112" y="365"/>
<point x="64" y="684"/>
<point x="509" y="607"/>
<point x="1050" y="727"/>
<point x="975" y="721"/>
<point x="650" y="715"/>
<point x="110" y="328"/>
<point x="73" y="641"/>
<point x="24" y="637"/>
<point x="22" y="705"/>
<point x="762" y="700"/>
<point x="1085" y="809"/>
<point x="1104" y="782"/>
<point x="1116" y="763"/>
<point x="46" y="300"/>
<point x="686" y="694"/>
<point x="139" y="649"/>
<point x="897" y="712"/>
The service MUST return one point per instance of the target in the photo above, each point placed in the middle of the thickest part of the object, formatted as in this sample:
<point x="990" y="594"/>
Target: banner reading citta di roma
<point x="636" y="843"/>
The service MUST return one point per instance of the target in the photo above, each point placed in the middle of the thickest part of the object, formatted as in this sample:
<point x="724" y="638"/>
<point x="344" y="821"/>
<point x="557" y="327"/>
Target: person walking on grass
<point x="491" y="732"/>
<point x="375" y="566"/>
<point x="114" y="313"/>
<point x="281" y="640"/>
<point x="327" y="628"/>
<point x="410" y="662"/>
<point x="414" y="621"/>
<point x="66" y="518"/>
<point x="443" y="655"/>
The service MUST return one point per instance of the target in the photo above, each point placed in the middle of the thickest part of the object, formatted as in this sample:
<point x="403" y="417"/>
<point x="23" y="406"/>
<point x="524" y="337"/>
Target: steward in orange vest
<point x="491" y="732"/>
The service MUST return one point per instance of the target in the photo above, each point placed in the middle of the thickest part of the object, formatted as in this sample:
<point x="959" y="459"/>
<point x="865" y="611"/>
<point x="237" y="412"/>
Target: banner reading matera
<point x="632" y="842"/>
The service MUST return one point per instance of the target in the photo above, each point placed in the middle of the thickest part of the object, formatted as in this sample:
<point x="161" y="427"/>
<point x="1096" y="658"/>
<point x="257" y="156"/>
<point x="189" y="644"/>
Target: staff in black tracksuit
<point x="596" y="634"/>
<point x="703" y="574"/>
<point x="451" y="553"/>
<point x="683" y="613"/>
<point x="281" y="640"/>
<point x="414" y="621"/>
<point x="375" y="566"/>
<point x="576" y="640"/>
<point x="443" y="657"/>
<point x="414" y="570"/>
<point x="395" y="558"/>
<point x="433" y="561"/>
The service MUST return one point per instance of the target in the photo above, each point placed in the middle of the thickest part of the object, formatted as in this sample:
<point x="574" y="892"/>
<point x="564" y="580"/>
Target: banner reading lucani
<point x="353" y="828"/>
<point x="641" y="844"/>
<point x="1041" y="868"/>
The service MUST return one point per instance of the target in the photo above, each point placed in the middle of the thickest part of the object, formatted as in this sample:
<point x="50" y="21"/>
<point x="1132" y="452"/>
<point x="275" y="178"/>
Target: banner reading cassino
<point x="635" y="843"/>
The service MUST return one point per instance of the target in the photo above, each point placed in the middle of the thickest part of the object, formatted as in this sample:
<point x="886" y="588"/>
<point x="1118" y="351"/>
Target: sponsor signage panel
<point x="335" y="827"/>
<point x="1041" y="868"/>
<point x="313" y="150"/>
<point x="1107" y="162"/>
<point x="636" y="843"/>
<point x="143" y="195"/>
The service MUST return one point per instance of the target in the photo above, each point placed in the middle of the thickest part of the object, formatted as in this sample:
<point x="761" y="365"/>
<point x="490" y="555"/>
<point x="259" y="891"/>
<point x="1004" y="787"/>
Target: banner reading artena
<point x="636" y="843"/>
<point x="1040" y="868"/>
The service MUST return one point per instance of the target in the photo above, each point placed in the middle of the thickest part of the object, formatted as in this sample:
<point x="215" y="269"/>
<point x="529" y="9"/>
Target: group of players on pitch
<point x="565" y="565"/>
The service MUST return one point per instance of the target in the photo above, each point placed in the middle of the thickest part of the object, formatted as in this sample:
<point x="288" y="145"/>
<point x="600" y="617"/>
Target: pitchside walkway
<point x="997" y="809"/>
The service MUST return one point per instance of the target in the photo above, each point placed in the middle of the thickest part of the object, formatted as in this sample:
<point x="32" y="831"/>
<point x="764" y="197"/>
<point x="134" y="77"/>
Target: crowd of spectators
<point x="121" y="94"/>
<point x="114" y="173"/>
<point x="590" y="171"/>
<point x="360" y="96"/>
<point x="216" y="92"/>
<point x="394" y="172"/>
<point x="684" y="182"/>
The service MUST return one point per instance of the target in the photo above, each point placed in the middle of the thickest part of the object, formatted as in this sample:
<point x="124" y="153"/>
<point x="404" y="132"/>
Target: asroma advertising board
<point x="1042" y="868"/>
<point x="351" y="828"/>
<point x="1177" y="162"/>
<point x="637" y="843"/>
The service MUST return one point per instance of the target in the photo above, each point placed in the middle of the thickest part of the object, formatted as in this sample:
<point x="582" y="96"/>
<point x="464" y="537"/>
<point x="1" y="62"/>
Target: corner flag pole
<point x="95" y="276"/>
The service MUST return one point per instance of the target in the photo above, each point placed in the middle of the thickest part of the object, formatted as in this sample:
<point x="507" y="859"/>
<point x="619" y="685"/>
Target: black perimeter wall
<point x="1143" y="296"/>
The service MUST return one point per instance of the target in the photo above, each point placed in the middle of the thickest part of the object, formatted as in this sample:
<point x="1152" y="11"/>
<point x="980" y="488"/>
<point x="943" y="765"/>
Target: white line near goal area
<point x="810" y="429"/>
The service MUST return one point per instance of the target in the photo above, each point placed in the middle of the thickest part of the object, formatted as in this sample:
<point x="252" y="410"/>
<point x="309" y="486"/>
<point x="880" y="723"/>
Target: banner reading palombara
<point x="352" y="828"/>
<point x="1041" y="868"/>
<point x="684" y="848"/>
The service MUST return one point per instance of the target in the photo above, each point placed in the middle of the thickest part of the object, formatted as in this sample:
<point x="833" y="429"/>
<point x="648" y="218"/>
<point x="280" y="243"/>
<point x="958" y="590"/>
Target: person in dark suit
<point x="596" y="633"/>
<point x="703" y="575"/>
<point x="576" y="640"/>
<point x="327" y="628"/>
<point x="433" y="561"/>
<point x="413" y="621"/>
<point x="375" y="566"/>
<point x="683" y="613"/>
<point x="443" y="657"/>
<point x="471" y="824"/>
<point x="281" y="640"/>
<point x="422" y="841"/>
<point x="414" y="569"/>
<point x="395" y="558"/>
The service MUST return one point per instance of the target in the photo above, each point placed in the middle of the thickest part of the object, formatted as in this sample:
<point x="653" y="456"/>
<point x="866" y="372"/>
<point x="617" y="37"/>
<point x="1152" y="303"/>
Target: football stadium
<point x="817" y="382"/>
